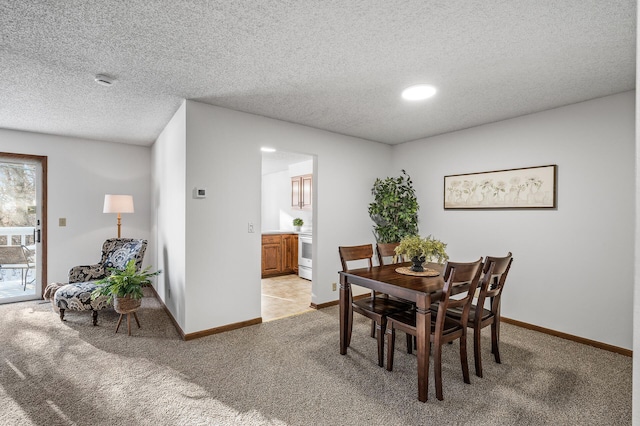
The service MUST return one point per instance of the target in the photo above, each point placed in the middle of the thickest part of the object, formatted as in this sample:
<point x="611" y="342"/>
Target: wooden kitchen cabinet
<point x="290" y="253"/>
<point x="279" y="254"/>
<point x="271" y="255"/>
<point x="301" y="191"/>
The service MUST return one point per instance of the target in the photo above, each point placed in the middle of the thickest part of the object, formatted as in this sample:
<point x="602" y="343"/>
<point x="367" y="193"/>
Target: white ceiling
<point x="337" y="65"/>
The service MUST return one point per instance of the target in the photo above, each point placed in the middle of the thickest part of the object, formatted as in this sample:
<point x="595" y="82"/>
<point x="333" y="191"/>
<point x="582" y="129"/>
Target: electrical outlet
<point x="333" y="286"/>
<point x="250" y="228"/>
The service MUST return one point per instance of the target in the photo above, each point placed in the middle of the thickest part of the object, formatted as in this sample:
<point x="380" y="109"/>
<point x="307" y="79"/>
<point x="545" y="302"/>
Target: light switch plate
<point x="62" y="221"/>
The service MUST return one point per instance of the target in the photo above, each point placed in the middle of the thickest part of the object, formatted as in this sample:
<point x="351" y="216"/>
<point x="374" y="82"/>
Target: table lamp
<point x="118" y="204"/>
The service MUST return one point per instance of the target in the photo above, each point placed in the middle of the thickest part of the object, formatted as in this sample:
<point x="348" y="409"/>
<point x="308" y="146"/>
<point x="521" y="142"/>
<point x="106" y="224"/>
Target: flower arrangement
<point x="425" y="249"/>
<point x="298" y="222"/>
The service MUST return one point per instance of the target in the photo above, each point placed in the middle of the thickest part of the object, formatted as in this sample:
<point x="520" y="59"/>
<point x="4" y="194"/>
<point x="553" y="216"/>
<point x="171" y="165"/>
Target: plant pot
<point x="417" y="263"/>
<point x="125" y="305"/>
<point x="297" y="228"/>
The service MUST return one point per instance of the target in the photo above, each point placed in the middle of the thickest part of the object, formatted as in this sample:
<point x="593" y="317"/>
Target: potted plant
<point x="394" y="209"/>
<point x="420" y="250"/>
<point x="297" y="224"/>
<point x="124" y="287"/>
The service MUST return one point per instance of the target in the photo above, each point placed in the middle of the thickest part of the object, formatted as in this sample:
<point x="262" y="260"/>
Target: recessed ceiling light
<point x="104" y="80"/>
<point x="418" y="92"/>
<point x="265" y="149"/>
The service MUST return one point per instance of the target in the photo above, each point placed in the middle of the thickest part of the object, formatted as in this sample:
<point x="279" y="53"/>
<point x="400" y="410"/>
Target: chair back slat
<point x="353" y="253"/>
<point x="493" y="281"/>
<point x="385" y="250"/>
<point x="457" y="273"/>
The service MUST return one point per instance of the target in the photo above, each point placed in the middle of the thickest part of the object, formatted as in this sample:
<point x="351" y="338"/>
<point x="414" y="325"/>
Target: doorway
<point x="22" y="226"/>
<point x="286" y="195"/>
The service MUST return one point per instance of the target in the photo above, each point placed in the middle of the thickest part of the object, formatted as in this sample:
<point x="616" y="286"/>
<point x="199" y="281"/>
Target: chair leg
<point x="380" y="327"/>
<point x="391" y="343"/>
<point x="463" y="357"/>
<point x="477" y="353"/>
<point x="409" y="344"/>
<point x="61" y="314"/>
<point x="94" y="316"/>
<point x="437" y="368"/>
<point x="373" y="328"/>
<point x="495" y="337"/>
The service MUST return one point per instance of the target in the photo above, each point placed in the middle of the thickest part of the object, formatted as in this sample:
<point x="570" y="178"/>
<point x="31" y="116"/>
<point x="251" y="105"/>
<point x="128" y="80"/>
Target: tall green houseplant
<point x="394" y="209"/>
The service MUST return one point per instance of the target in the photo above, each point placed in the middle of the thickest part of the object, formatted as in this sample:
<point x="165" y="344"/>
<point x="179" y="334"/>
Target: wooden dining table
<point x="385" y="279"/>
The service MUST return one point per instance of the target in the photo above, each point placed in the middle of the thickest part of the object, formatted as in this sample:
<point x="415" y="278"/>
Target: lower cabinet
<point x="279" y="254"/>
<point x="290" y="253"/>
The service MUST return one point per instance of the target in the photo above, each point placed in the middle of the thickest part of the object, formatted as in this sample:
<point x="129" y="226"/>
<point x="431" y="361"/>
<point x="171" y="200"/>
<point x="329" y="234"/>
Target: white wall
<point x="276" y="198"/>
<point x="169" y="219"/>
<point x="572" y="263"/>
<point x="222" y="258"/>
<point x="80" y="173"/>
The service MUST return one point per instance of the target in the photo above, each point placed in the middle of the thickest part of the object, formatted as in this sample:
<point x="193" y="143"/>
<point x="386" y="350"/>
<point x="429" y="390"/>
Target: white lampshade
<point x="118" y="203"/>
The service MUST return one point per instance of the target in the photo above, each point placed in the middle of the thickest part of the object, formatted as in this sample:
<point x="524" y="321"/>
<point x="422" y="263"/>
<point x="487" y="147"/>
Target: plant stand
<point x="128" y="306"/>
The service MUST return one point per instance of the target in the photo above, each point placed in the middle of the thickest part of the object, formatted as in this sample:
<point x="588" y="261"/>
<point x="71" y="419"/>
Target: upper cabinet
<point x="301" y="191"/>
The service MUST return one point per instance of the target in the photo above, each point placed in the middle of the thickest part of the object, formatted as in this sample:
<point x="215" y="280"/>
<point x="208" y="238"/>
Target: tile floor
<point x="284" y="296"/>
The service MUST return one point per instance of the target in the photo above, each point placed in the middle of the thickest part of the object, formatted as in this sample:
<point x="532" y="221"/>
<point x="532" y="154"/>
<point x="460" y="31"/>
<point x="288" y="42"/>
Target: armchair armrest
<point x="84" y="273"/>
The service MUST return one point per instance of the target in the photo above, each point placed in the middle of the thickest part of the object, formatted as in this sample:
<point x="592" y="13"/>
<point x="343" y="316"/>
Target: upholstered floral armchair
<point x="116" y="252"/>
<point x="76" y="295"/>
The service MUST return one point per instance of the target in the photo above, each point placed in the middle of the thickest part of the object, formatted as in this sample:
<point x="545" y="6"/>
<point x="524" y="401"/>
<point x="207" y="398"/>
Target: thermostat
<point x="200" y="193"/>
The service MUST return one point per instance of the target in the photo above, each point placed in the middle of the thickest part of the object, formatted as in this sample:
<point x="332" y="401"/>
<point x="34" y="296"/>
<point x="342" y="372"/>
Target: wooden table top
<point x="386" y="280"/>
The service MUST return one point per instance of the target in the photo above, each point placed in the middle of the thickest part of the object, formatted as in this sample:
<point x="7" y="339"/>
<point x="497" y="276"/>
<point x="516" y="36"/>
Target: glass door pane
<point x="20" y="217"/>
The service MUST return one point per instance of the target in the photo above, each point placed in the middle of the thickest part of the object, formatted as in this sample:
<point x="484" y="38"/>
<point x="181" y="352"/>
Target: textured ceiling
<point x="337" y="65"/>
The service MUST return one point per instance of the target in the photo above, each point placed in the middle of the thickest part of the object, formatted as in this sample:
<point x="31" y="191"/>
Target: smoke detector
<point x="104" y="80"/>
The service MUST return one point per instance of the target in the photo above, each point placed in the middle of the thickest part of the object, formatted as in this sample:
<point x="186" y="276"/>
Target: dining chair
<point x="444" y="329"/>
<point x="495" y="274"/>
<point x="375" y="308"/>
<point x="386" y="251"/>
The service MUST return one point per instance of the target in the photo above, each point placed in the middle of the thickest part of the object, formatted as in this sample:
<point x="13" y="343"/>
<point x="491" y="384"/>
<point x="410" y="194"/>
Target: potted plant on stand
<point x="421" y="250"/>
<point x="394" y="209"/>
<point x="124" y="288"/>
<point x="297" y="224"/>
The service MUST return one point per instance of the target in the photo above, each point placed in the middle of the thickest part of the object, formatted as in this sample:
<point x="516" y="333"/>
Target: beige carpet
<point x="285" y="372"/>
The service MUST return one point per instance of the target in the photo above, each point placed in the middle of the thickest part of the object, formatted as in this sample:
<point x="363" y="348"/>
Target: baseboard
<point x="335" y="302"/>
<point x="168" y="312"/>
<point x="599" y="345"/>
<point x="323" y="305"/>
<point x="203" y="333"/>
<point x="222" y="329"/>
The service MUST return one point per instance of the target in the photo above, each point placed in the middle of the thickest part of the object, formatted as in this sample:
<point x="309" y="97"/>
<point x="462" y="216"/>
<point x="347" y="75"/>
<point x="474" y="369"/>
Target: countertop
<point x="276" y="232"/>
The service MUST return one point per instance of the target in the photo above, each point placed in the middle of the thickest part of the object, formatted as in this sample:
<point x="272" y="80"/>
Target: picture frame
<point x="523" y="188"/>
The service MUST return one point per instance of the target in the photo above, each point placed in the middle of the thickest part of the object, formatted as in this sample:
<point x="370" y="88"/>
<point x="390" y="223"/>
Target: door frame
<point x="42" y="159"/>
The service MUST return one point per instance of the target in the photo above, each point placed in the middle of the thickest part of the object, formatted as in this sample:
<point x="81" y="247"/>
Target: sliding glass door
<point x="22" y="209"/>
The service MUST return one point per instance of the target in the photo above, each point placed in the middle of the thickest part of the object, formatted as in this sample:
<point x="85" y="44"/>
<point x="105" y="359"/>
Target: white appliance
<point x="304" y="255"/>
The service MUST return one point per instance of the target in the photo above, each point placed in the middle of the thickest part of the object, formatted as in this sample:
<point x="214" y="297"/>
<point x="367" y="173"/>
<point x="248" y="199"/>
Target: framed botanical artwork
<point x="525" y="188"/>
